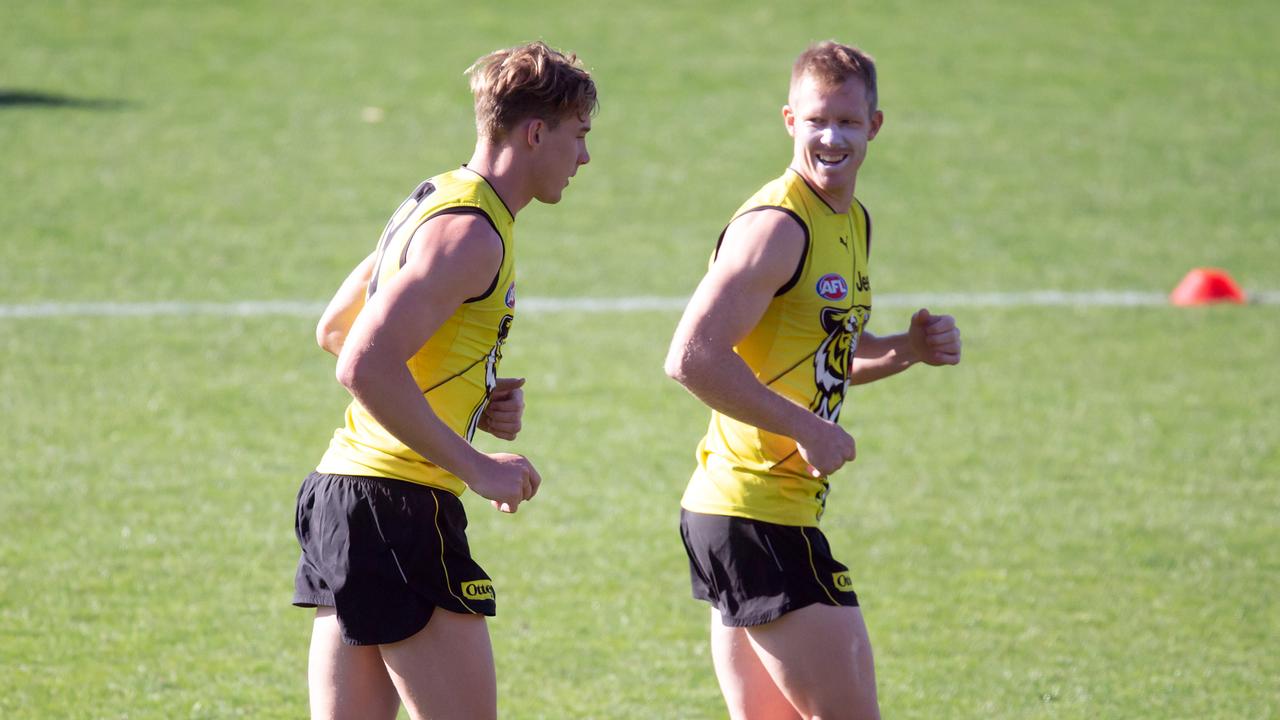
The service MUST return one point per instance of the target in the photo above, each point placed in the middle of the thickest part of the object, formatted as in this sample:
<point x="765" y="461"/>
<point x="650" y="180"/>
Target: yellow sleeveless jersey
<point x="801" y="349"/>
<point x="457" y="368"/>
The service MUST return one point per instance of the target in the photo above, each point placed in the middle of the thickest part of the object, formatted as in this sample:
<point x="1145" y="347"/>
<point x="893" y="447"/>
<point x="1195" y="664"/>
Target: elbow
<point x="674" y="365"/>
<point x="673" y="370"/>
<point x="330" y="340"/>
<point x="679" y="365"/>
<point x="351" y="371"/>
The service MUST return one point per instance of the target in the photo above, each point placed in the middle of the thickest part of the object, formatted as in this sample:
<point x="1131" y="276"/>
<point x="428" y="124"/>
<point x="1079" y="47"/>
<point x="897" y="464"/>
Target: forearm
<point x="387" y="390"/>
<point x="332" y="335"/>
<point x="725" y="383"/>
<point x="341" y="312"/>
<point x="879" y="357"/>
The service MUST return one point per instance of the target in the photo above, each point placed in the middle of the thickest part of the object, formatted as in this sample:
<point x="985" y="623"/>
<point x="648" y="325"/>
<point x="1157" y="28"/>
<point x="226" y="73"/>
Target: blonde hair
<point x="832" y="63"/>
<point x="529" y="81"/>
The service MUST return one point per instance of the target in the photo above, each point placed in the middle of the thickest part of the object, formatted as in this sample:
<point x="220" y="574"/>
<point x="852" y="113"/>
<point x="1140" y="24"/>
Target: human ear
<point x="877" y="119"/>
<point x="533" y="132"/>
<point x="789" y="120"/>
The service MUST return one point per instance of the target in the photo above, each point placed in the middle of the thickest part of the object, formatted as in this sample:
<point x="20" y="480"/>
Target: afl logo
<point x="511" y="296"/>
<point x="833" y="287"/>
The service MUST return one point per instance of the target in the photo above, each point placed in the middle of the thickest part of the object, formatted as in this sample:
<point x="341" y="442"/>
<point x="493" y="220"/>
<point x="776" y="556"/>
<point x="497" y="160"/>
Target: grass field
<point x="1080" y="521"/>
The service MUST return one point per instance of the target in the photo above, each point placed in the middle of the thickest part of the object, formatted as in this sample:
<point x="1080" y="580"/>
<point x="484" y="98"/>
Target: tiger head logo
<point x="491" y="361"/>
<point x="831" y="361"/>
<point x="495" y="355"/>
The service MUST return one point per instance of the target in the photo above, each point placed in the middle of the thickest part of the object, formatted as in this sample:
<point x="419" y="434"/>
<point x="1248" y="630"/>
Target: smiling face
<point x="831" y="125"/>
<point x="559" y="152"/>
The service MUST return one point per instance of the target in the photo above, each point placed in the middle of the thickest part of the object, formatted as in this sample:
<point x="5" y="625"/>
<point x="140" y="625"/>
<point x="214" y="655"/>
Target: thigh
<point x="445" y="670"/>
<point x="749" y="691"/>
<point x="346" y="681"/>
<point x="820" y="658"/>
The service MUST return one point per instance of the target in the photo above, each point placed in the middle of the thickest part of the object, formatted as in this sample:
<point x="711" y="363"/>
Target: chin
<point x="837" y="177"/>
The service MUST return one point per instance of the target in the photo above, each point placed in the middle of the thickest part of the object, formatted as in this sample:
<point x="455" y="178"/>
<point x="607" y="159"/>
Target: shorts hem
<point x="759" y="618"/>
<point x="355" y="642"/>
<point x="768" y="617"/>
<point x="310" y="600"/>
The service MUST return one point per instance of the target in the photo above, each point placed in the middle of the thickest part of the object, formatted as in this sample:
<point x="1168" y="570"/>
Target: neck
<point x="497" y="163"/>
<point x="839" y="199"/>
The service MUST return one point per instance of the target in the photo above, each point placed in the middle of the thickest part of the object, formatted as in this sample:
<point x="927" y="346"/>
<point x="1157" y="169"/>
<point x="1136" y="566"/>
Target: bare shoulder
<point x="768" y="242"/>
<point x="769" y="223"/>
<point x="465" y="237"/>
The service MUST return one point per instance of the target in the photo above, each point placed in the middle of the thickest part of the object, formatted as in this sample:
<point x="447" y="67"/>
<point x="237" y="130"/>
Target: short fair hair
<point x="529" y="81"/>
<point x="832" y="63"/>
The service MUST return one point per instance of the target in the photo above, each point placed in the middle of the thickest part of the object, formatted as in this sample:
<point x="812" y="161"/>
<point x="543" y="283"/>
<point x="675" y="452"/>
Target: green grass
<point x="1078" y="522"/>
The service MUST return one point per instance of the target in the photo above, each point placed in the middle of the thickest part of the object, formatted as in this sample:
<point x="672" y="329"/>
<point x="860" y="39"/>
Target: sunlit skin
<point x="562" y="150"/>
<point x="816" y="660"/>
<point x="533" y="160"/>
<point x="831" y="126"/>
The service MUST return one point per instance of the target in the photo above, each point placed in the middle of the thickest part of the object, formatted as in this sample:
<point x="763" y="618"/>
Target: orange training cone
<point x="1203" y="286"/>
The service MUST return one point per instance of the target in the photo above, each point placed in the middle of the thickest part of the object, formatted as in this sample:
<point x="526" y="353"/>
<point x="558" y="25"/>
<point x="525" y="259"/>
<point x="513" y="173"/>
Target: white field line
<point x="641" y="303"/>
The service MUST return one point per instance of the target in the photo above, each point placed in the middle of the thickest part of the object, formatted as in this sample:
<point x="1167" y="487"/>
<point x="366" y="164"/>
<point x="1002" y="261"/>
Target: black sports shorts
<point x="755" y="572"/>
<point x="384" y="554"/>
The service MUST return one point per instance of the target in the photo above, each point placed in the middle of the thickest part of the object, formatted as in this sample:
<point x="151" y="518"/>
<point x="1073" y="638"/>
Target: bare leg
<point x="820" y="658"/>
<point x="346" y="681"/>
<point x="748" y="689"/>
<point x="446" y="670"/>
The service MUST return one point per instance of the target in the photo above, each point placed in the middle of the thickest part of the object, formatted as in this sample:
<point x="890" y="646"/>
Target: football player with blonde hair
<point x="773" y="335"/>
<point x="418" y="328"/>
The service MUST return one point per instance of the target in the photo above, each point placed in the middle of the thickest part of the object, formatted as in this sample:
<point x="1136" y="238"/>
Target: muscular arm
<point x="340" y="313"/>
<point x="759" y="253"/>
<point x="502" y="415"/>
<point x="451" y="258"/>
